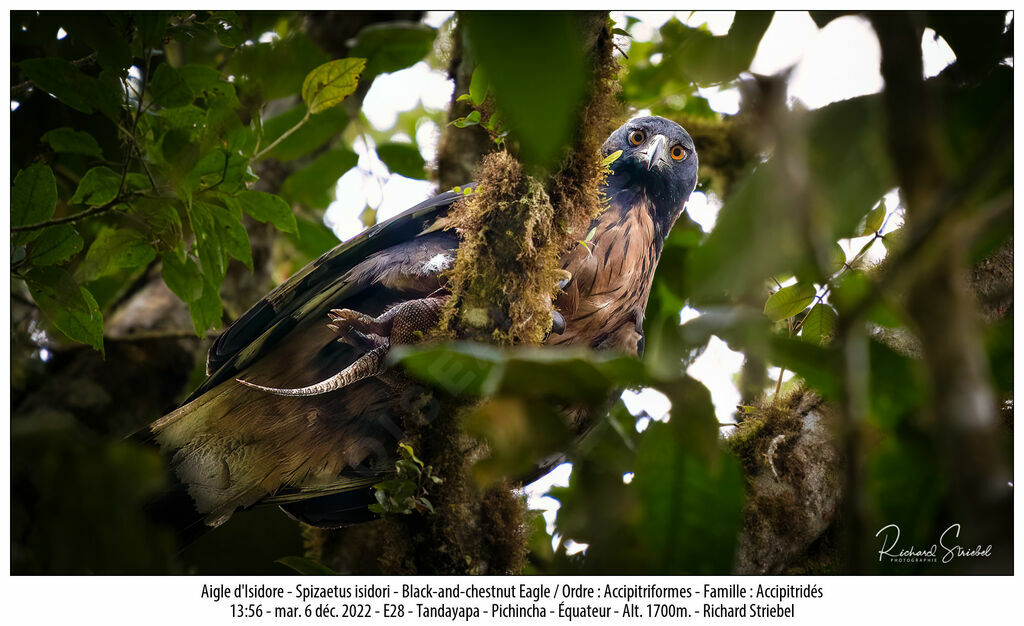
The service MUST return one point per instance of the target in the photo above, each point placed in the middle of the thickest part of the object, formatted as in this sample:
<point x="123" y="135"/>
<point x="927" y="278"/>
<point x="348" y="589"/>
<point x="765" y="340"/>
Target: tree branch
<point x="71" y="218"/>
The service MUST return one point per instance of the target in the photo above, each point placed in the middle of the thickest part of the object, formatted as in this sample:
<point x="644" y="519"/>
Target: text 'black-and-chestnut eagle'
<point x="292" y="410"/>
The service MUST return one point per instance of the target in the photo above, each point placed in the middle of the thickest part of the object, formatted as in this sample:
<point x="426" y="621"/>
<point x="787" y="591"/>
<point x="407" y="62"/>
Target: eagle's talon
<point x="557" y="323"/>
<point x="346" y="321"/>
<point x="363" y="341"/>
<point x="564" y="280"/>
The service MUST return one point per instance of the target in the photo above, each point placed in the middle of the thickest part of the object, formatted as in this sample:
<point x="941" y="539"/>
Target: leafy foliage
<point x="408" y="491"/>
<point x="180" y="188"/>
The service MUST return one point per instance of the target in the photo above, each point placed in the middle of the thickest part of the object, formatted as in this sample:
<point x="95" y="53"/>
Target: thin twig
<point x="161" y="335"/>
<point x="782" y="370"/>
<point x="283" y="136"/>
<point x="135" y="125"/>
<point x="70" y="218"/>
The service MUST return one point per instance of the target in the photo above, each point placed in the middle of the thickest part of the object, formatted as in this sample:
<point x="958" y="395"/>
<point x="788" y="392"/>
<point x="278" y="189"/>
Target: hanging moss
<point x="505" y="273"/>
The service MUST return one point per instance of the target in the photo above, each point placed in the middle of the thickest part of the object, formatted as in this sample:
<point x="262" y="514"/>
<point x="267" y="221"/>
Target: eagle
<point x="291" y="412"/>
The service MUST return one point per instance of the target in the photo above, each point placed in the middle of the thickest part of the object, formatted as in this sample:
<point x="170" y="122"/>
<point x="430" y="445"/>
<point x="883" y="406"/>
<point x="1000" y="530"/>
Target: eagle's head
<point x="658" y="162"/>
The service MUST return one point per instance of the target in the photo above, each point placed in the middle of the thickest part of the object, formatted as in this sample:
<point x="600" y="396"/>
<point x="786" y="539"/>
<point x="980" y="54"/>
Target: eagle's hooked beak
<point x="656" y="153"/>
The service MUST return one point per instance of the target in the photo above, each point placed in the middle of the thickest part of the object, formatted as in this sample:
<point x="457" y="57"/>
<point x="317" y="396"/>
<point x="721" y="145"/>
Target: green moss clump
<point x="752" y="439"/>
<point x="504" y="276"/>
<point x="504" y="529"/>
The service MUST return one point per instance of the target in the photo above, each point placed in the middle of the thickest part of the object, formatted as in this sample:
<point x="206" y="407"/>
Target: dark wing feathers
<point x="234" y="446"/>
<point x="275" y="315"/>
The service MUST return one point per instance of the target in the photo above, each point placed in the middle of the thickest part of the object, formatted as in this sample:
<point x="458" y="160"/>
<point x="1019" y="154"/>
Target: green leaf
<point x="313" y="186"/>
<point x="188" y="119"/>
<point x="74" y="88"/>
<point x="210" y="248"/>
<point x="898" y="387"/>
<point x="219" y="170"/>
<point x="818" y="365"/>
<point x="219" y="232"/>
<point x="151" y="26"/>
<point x="33" y="196"/>
<point x="470" y="120"/>
<point x="182" y="278"/>
<point x="160" y="218"/>
<point x="229" y="33"/>
<point x="708" y="59"/>
<point x="112" y="250"/>
<point x="403" y="159"/>
<point x="893" y="239"/>
<point x="458" y="369"/>
<point x="60" y="78"/>
<point x="66" y="139"/>
<point x="478" y="86"/>
<point x="98" y="187"/>
<point x="96" y="30"/>
<point x="846" y="157"/>
<point x="207" y="310"/>
<point x="199" y="78"/>
<point x="70" y="308"/>
<point x="819" y="324"/>
<point x="104" y="93"/>
<point x="412" y="453"/>
<point x="169" y="88"/>
<point x="57" y="284"/>
<point x="692" y="510"/>
<point x="524" y="57"/>
<point x="611" y="158"/>
<point x="516" y="429"/>
<point x="836" y="258"/>
<point x="307" y="567"/>
<point x="873" y="220"/>
<point x="136" y="182"/>
<point x="234" y="236"/>
<point x="241" y="139"/>
<point x="327" y="85"/>
<point x="392" y="46"/>
<point x="266" y="207"/>
<point x="788" y="301"/>
<point x="473" y="369"/>
<point x="55" y="244"/>
<point x="275" y="69"/>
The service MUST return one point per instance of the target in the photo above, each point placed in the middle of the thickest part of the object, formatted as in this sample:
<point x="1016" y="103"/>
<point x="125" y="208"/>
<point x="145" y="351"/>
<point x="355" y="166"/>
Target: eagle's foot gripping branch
<point x="404" y="323"/>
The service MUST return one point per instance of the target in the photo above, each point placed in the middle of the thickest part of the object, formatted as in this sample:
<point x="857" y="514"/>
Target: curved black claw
<point x="557" y="323"/>
<point x="563" y="282"/>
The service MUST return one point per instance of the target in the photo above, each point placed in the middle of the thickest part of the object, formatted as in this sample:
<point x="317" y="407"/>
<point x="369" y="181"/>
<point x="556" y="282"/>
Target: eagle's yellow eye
<point x="677" y="152"/>
<point x="636" y="137"/>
